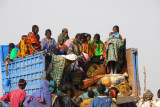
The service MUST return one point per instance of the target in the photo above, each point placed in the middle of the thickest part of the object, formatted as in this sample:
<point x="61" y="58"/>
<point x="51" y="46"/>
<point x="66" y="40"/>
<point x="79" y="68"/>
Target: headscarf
<point x="64" y="29"/>
<point x="148" y="95"/>
<point x="41" y="98"/>
<point x="22" y="83"/>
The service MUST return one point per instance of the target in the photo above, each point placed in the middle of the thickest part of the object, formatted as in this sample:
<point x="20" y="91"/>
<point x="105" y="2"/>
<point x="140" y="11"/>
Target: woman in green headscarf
<point x="64" y="35"/>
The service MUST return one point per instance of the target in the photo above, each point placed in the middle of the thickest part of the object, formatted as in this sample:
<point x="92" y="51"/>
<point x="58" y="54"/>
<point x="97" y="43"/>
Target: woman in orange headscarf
<point x="23" y="47"/>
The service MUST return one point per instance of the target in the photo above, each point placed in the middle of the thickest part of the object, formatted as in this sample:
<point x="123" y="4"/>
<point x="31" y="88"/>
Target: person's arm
<point x="120" y="36"/>
<point x="34" y="48"/>
<point x="42" y="44"/>
<point x="55" y="44"/>
<point x="92" y="103"/>
<point x="5" y="99"/>
<point x="70" y="50"/>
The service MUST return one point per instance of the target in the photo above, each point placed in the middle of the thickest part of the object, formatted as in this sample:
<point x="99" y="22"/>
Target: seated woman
<point x="41" y="98"/>
<point x="75" y="47"/>
<point x="13" y="54"/>
<point x="49" y="44"/>
<point x="23" y="47"/>
<point x="86" y="47"/>
<point x="33" y="41"/>
<point x="115" y="51"/>
<point x="97" y="46"/>
<point x="64" y="35"/>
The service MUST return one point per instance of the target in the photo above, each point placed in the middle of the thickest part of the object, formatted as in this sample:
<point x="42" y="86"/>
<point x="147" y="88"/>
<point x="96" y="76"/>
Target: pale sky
<point x="139" y="22"/>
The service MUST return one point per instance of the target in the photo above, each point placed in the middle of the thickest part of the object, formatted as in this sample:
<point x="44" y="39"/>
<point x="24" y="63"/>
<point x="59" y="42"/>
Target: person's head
<point x="61" y="41"/>
<point x="82" y="38"/>
<point x="101" y="88"/>
<point x="35" y="29"/>
<point x="43" y="78"/>
<point x="11" y="46"/>
<point x="64" y="31"/>
<point x="96" y="38"/>
<point x="64" y="89"/>
<point x="90" y="94"/>
<point x="24" y="36"/>
<point x="158" y="94"/>
<point x="48" y="33"/>
<point x="22" y="84"/>
<point x="78" y="37"/>
<point x="88" y="37"/>
<point x="115" y="29"/>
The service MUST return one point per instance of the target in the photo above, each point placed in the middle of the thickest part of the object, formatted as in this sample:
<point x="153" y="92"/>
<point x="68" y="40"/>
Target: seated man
<point x="16" y="97"/>
<point x="102" y="100"/>
<point x="13" y="54"/>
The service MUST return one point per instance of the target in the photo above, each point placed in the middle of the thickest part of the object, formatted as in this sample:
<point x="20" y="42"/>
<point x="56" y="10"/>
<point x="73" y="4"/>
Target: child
<point x="61" y="42"/>
<point x="16" y="97"/>
<point x="87" y="102"/>
<point x="13" y="53"/>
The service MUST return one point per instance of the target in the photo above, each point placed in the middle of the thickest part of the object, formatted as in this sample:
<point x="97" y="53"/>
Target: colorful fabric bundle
<point x="90" y="81"/>
<point x="76" y="73"/>
<point x="123" y="87"/>
<point x="95" y="70"/>
<point x="58" y="64"/>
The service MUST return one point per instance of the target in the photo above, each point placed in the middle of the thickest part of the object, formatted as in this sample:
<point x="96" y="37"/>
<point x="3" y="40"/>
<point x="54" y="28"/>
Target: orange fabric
<point x="86" y="48"/>
<point x="60" y="47"/>
<point x="105" y="46"/>
<point x="90" y="81"/>
<point x="32" y="39"/>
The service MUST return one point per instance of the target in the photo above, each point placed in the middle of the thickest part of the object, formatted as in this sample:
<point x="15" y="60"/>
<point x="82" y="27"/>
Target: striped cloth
<point x="75" y="48"/>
